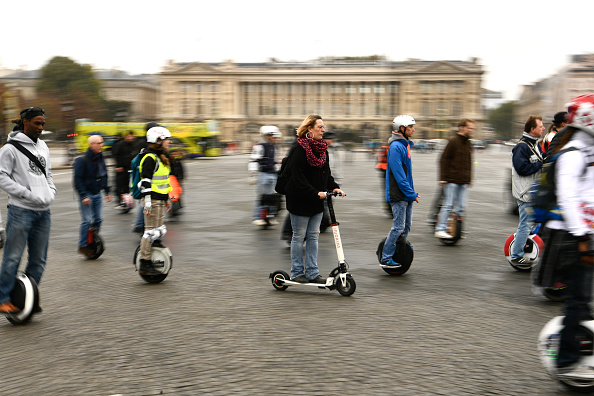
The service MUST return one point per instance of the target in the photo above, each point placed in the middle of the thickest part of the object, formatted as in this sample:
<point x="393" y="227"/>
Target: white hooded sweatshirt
<point x="26" y="185"/>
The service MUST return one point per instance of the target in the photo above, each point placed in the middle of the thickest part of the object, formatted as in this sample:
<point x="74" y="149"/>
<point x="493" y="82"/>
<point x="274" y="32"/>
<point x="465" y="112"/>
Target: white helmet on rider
<point x="155" y="133"/>
<point x="580" y="113"/>
<point x="402" y="120"/>
<point x="270" y="130"/>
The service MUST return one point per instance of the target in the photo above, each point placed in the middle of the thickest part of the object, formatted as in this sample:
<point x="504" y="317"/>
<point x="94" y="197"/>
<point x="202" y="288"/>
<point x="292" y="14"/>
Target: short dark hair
<point x="32" y="112"/>
<point x="531" y="123"/>
<point x="464" y="122"/>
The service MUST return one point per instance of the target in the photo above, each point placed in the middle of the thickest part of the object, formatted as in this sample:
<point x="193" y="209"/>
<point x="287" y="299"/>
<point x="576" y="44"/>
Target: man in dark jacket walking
<point x="455" y="175"/>
<point x="90" y="177"/>
<point x="123" y="151"/>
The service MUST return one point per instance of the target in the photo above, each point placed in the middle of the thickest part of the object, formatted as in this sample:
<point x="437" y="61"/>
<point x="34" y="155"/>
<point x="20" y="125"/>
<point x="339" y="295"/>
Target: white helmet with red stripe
<point x="580" y="113"/>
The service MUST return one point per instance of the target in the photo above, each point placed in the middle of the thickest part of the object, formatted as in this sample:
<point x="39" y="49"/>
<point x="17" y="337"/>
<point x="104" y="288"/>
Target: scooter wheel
<point x="278" y="280"/>
<point x="347" y="289"/>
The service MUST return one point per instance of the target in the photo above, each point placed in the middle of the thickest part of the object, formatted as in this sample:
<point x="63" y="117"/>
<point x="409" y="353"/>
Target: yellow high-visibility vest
<point x="160" y="180"/>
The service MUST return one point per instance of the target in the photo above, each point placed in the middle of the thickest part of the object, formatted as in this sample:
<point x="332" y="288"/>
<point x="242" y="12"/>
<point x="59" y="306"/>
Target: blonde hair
<point x="309" y="121"/>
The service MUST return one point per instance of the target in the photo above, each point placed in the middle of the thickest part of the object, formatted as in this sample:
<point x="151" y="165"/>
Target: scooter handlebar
<point x="335" y="194"/>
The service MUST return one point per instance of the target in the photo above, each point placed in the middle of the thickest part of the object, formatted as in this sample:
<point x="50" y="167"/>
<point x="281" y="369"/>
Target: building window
<point x="426" y="108"/>
<point x="198" y="87"/>
<point x="350" y="89"/>
<point x="335" y="89"/>
<point x="426" y="87"/>
<point x="364" y="89"/>
<point x="457" y="108"/>
<point x="457" y="86"/>
<point x="394" y="88"/>
<point x="379" y="89"/>
<point x="442" y="109"/>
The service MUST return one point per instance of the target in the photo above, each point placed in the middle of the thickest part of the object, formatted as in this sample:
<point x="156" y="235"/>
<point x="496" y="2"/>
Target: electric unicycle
<point x="25" y="296"/>
<point x="548" y="348"/>
<point x="95" y="242"/>
<point x="162" y="261"/>
<point x="454" y="228"/>
<point x="404" y="256"/>
<point x="532" y="250"/>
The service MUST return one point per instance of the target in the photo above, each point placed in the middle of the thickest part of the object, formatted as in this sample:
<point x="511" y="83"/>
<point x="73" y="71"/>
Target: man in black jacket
<point x="123" y="151"/>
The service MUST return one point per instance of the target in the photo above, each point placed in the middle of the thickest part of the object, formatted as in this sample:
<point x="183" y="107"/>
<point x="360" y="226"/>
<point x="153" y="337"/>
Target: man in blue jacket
<point x="400" y="191"/>
<point x="90" y="177"/>
<point x="527" y="161"/>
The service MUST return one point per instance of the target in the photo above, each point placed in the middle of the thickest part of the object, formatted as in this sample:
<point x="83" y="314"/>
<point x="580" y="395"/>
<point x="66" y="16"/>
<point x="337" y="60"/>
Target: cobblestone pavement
<point x="460" y="322"/>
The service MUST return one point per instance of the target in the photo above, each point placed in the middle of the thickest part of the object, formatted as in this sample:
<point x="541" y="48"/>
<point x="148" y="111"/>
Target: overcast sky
<point x="517" y="41"/>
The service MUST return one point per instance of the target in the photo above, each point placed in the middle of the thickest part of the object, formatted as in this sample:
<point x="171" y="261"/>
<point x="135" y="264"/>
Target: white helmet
<point x="270" y="130"/>
<point x="402" y="120"/>
<point x="156" y="133"/>
<point x="580" y="113"/>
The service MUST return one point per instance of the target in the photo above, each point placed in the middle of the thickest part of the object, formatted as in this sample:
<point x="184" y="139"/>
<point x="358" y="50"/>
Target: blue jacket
<point x="90" y="174"/>
<point x="399" y="180"/>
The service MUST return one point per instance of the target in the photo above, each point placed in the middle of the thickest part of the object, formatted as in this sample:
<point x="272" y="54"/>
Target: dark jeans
<point x="578" y="278"/>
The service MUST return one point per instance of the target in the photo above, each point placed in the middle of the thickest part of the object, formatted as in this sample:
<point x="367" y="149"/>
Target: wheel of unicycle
<point x="454" y="228"/>
<point x="532" y="251"/>
<point x="98" y="246"/>
<point x="348" y="288"/>
<point x="557" y="295"/>
<point x="25" y="296"/>
<point x="162" y="260"/>
<point x="404" y="256"/>
<point x="548" y="348"/>
<point x="278" y="279"/>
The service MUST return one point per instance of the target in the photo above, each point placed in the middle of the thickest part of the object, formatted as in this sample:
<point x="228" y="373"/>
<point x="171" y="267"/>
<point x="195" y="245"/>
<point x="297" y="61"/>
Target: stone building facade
<point x="353" y="96"/>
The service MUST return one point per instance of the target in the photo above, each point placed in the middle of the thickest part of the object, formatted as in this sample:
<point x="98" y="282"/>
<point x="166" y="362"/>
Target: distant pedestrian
<point x="27" y="178"/>
<point x="455" y="175"/>
<point x="559" y="122"/>
<point x="90" y="178"/>
<point x="123" y="151"/>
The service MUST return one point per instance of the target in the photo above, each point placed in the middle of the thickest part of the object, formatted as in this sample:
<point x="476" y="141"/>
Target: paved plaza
<point x="461" y="321"/>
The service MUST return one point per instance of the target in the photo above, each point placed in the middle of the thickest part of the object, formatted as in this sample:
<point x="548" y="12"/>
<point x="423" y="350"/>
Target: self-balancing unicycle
<point x="532" y="250"/>
<point x="161" y="257"/>
<point x="25" y="296"/>
<point x="95" y="243"/>
<point x="548" y="348"/>
<point x="454" y="228"/>
<point x="338" y="278"/>
<point x="404" y="256"/>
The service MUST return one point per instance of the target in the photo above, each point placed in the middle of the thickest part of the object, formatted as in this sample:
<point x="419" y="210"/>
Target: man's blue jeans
<point x="24" y="227"/>
<point x="452" y="193"/>
<point x="402" y="212"/>
<point x="522" y="232"/>
<point x="307" y="228"/>
<point x="91" y="217"/>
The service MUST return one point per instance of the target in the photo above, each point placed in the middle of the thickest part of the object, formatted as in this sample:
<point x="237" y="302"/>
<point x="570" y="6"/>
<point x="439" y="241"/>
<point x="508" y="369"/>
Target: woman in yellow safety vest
<point x="154" y="188"/>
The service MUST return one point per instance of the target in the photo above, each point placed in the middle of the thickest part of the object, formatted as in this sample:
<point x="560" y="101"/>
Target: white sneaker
<point x="272" y="222"/>
<point x="442" y="235"/>
<point x="577" y="372"/>
<point x="259" y="222"/>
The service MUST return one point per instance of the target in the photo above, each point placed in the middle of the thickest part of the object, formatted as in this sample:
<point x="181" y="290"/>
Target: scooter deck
<point x="329" y="282"/>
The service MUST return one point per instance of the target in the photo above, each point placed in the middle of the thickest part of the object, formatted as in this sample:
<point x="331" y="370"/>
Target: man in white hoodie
<point x="31" y="190"/>
<point x="572" y="234"/>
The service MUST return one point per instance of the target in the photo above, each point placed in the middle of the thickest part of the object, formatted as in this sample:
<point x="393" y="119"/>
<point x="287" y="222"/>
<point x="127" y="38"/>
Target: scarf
<point x="311" y="145"/>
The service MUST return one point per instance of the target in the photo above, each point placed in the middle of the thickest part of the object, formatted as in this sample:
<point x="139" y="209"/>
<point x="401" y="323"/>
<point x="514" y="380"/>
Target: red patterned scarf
<point x="311" y="145"/>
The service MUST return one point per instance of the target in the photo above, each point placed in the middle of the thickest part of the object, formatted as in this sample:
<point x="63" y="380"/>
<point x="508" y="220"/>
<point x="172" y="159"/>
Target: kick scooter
<point x="338" y="278"/>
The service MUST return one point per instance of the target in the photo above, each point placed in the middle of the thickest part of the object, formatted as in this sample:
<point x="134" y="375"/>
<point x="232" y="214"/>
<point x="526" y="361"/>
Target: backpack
<point x="135" y="174"/>
<point x="284" y="175"/>
<point x="543" y="196"/>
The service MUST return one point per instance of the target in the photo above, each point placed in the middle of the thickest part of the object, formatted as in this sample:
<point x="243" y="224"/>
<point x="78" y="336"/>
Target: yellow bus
<point x="194" y="139"/>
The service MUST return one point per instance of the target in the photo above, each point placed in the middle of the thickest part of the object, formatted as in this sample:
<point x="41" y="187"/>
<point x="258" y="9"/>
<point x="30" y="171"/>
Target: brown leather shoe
<point x="8" y="308"/>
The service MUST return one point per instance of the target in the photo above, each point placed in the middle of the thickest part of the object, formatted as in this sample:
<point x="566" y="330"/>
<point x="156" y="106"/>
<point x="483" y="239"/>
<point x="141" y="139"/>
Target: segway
<point x="532" y="250"/>
<point x="548" y="348"/>
<point x="95" y="242"/>
<point x="25" y="296"/>
<point x="404" y="256"/>
<point x="161" y="256"/>
<point x="338" y="278"/>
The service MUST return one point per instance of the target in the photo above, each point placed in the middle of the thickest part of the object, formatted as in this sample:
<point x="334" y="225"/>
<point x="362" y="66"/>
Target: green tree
<point x="501" y="119"/>
<point x="63" y="76"/>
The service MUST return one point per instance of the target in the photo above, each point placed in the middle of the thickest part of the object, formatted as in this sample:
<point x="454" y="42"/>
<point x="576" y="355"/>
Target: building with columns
<point x="357" y="96"/>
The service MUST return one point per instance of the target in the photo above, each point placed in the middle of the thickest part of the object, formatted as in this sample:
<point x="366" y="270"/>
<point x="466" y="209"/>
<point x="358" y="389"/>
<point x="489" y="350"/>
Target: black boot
<point x="147" y="268"/>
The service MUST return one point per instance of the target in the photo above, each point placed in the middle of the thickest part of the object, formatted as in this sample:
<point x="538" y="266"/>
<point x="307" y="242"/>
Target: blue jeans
<point x="24" y="227"/>
<point x="402" y="212"/>
<point x="91" y="216"/>
<point x="266" y="184"/>
<point x="452" y="193"/>
<point x="307" y="228"/>
<point x="140" y="216"/>
<point x="522" y="232"/>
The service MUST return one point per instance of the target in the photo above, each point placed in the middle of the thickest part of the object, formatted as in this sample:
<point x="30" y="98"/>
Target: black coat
<point x="305" y="183"/>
